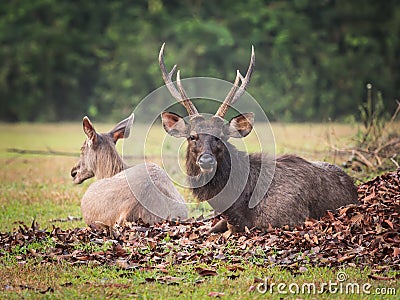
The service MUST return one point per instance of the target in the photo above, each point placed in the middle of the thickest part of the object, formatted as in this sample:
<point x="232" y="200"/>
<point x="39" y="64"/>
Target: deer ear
<point x="240" y="126"/>
<point x="89" y="130"/>
<point x="122" y="129"/>
<point x="174" y="124"/>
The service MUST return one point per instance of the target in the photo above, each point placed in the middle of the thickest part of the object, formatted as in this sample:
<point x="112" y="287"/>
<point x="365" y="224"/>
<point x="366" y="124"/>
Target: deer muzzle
<point x="75" y="175"/>
<point x="207" y="162"/>
<point x="78" y="176"/>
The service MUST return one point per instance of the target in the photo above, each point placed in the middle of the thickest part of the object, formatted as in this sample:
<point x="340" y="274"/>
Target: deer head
<point x="206" y="137"/>
<point x="99" y="156"/>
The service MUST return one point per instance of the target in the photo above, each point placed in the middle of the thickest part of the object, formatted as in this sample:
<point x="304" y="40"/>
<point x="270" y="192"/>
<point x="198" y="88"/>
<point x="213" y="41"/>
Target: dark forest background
<point x="62" y="59"/>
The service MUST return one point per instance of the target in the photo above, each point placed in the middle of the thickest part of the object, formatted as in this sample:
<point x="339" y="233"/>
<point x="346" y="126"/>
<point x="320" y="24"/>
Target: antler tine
<point x="191" y="109"/>
<point x="246" y="79"/>
<point x="225" y="105"/>
<point x="180" y="95"/>
<point x="236" y="92"/>
<point x="167" y="76"/>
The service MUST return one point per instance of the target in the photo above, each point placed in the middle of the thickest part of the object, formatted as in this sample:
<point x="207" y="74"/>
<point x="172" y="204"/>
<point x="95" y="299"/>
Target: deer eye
<point x="192" y="137"/>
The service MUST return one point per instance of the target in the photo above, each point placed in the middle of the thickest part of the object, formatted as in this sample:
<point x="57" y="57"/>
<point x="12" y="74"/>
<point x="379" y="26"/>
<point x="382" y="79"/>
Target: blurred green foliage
<point x="62" y="59"/>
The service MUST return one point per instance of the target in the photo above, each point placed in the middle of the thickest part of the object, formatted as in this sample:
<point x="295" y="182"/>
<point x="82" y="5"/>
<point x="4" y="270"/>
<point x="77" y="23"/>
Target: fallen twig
<point x="42" y="152"/>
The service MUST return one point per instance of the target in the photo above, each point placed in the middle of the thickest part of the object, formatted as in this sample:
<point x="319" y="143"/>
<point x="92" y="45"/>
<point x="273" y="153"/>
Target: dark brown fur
<point x="298" y="189"/>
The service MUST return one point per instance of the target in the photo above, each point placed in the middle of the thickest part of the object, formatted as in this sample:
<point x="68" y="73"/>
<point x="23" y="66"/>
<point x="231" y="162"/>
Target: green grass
<point x="35" y="187"/>
<point x="62" y="281"/>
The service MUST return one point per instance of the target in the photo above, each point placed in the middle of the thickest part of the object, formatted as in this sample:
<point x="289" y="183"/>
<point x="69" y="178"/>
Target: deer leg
<point x="221" y="226"/>
<point x="231" y="230"/>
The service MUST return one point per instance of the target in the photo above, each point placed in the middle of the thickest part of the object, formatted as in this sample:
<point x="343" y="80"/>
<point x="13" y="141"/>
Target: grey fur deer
<point x="122" y="193"/>
<point x="298" y="189"/>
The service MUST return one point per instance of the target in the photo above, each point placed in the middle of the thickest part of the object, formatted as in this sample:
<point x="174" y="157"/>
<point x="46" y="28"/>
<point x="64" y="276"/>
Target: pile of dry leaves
<point x="367" y="234"/>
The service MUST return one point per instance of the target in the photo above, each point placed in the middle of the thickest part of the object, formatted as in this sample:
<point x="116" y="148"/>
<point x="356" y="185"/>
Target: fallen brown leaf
<point x="206" y="272"/>
<point x="380" y="277"/>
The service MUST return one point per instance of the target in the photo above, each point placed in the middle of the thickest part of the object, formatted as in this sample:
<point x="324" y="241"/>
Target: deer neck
<point x="205" y="189"/>
<point x="108" y="166"/>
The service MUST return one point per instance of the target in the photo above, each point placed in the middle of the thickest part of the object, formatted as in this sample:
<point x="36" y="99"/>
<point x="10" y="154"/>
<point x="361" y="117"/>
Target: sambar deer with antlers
<point x="294" y="190"/>
<point x="122" y="193"/>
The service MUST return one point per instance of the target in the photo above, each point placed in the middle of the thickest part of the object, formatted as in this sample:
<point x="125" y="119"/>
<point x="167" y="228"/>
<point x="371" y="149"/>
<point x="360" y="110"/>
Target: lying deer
<point x="298" y="189"/>
<point x="122" y="193"/>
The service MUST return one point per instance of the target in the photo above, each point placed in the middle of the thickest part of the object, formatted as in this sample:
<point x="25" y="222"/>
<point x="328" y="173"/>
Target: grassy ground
<point x="39" y="187"/>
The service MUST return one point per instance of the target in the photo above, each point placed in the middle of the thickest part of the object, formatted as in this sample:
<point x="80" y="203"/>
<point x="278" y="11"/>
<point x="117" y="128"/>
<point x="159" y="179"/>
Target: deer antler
<point x="179" y="94"/>
<point x="237" y="91"/>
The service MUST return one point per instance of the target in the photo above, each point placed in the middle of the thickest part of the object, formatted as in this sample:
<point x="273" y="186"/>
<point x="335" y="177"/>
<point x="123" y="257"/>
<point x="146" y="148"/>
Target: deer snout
<point x="207" y="162"/>
<point x="74" y="172"/>
<point x="76" y="178"/>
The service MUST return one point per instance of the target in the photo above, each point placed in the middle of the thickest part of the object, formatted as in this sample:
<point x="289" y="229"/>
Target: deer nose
<point x="207" y="161"/>
<point x="73" y="172"/>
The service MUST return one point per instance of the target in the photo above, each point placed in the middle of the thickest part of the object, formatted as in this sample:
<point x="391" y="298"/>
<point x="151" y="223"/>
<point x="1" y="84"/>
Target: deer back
<point x="140" y="192"/>
<point x="301" y="190"/>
